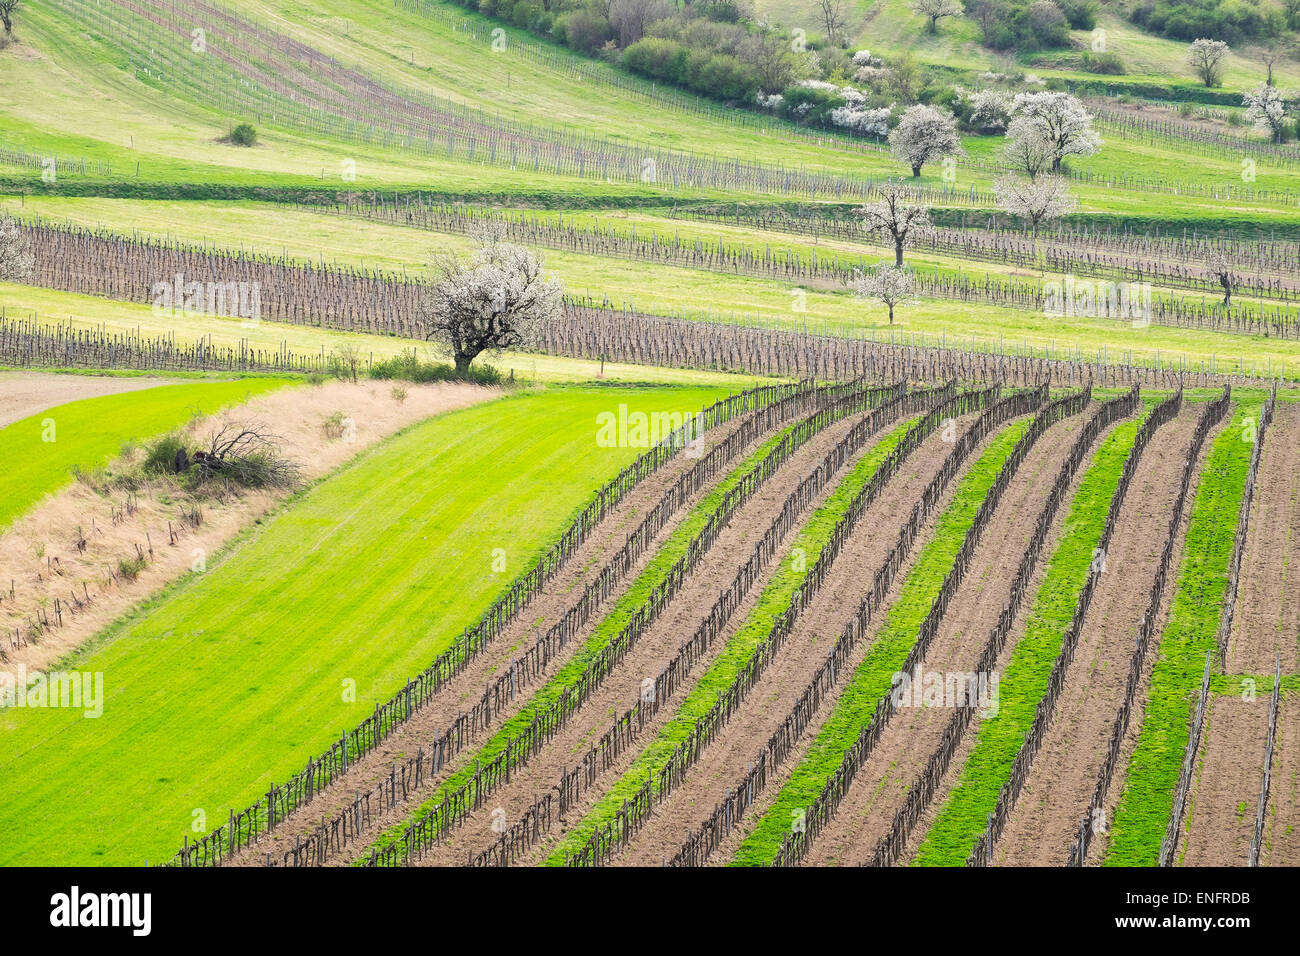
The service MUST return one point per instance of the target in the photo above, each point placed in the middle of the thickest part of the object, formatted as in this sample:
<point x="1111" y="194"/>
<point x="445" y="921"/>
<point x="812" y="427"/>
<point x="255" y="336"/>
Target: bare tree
<point x="936" y="10"/>
<point x="890" y="285"/>
<point x="832" y="18"/>
<point x="631" y="17"/>
<point x="346" y="360"/>
<point x="895" y="217"/>
<point x="1034" y="200"/>
<point x="1269" y="54"/>
<point x="923" y="135"/>
<point x="7" y="9"/>
<point x="493" y="301"/>
<point x="246" y="455"/>
<point x="16" y="259"/>
<point x="1206" y="58"/>
<point x="1220" y="267"/>
<point x="770" y="55"/>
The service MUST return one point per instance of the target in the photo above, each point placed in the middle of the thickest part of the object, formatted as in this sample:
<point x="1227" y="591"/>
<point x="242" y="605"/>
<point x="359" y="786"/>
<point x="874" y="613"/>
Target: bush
<point x="409" y="367"/>
<point x="243" y="135"/>
<point x="160" y="455"/>
<point x="1082" y="14"/>
<point x="1107" y="63"/>
<point x="584" y="31"/>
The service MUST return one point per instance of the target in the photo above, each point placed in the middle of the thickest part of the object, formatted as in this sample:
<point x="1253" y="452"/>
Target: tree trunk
<point x="462" y="364"/>
<point x="916" y="171"/>
<point x="1056" y="165"/>
<point x="9" y="24"/>
<point x="891" y="314"/>
<point x="898" y="252"/>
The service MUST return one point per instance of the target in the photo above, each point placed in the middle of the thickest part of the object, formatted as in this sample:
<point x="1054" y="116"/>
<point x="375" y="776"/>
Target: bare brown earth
<point x="1267" y="618"/>
<point x="1282" y="824"/>
<point x="548" y="607"/>
<point x="1220" y="819"/>
<point x="1017" y="631"/>
<point x="37" y="552"/>
<point x="620" y="692"/>
<point x="26" y="393"/>
<point x="871" y="543"/>
<point x="882" y="784"/>
<point x="728" y="757"/>
<point x="1061" y="783"/>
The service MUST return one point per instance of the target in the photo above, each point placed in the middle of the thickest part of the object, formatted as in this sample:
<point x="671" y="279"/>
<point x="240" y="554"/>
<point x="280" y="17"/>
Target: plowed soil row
<point x="968" y="742"/>
<point x="563" y="591"/>
<point x="1267" y="619"/>
<point x="1220" y="821"/>
<point x="1282" y="824"/>
<point x="620" y="691"/>
<point x="871" y="544"/>
<point x="1045" y="819"/>
<point x="882" y="785"/>
<point x="729" y="552"/>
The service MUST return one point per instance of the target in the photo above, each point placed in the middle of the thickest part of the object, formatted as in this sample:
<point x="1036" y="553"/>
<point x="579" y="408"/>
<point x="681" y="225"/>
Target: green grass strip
<point x="653" y="575"/>
<point x="874" y="676"/>
<point x="1146" y="802"/>
<point x="812" y="539"/>
<point x="39" y="452"/>
<point x="964" y="815"/>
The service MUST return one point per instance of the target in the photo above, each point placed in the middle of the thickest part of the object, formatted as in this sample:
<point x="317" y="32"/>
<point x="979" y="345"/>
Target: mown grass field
<point x="231" y="679"/>
<point x="42" y="451"/>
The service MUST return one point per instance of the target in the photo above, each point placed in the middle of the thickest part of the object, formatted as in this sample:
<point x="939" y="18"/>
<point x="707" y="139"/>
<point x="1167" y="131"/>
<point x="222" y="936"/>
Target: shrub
<point x="130" y="568"/>
<point x="1082" y="14"/>
<point x="1108" y="63"/>
<point x="243" y="135"/>
<point x="160" y="455"/>
<point x="584" y="31"/>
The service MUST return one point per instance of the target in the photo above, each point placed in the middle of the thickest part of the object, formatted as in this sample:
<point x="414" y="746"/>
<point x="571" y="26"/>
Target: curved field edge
<point x="808" y="544"/>
<point x="209" y="696"/>
<point x="962" y="818"/>
<point x="1146" y="801"/>
<point x="41" y="451"/>
<point x="887" y="653"/>
<point x="652" y="577"/>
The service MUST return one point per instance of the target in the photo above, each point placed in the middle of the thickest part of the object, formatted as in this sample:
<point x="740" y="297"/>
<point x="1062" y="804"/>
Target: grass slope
<point x="41" y="451"/>
<point x="229" y="680"/>
<point x="888" y="651"/>
<point x="1147" y="799"/>
<point x="998" y="739"/>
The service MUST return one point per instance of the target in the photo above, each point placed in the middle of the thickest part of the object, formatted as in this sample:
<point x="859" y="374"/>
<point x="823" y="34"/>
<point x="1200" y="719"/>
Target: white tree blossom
<point x="1026" y="149"/>
<point x="1206" y="58"/>
<point x="936" y="10"/>
<point x="896" y="218"/>
<point x="16" y="259"/>
<point x="1266" y="109"/>
<point x="496" y="299"/>
<point x="868" y="122"/>
<point x="990" y="111"/>
<point x="1060" y="121"/>
<point x="890" y="285"/>
<point x="1034" y="200"/>
<point x="923" y="135"/>
<point x="864" y="58"/>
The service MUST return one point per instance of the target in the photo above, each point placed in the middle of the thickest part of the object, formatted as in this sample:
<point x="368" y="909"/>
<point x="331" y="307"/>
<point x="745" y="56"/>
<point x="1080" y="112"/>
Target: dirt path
<point x="729" y="756"/>
<point x="655" y="649"/>
<point x="26" y="393"/>
<point x="1267" y="618"/>
<point x="563" y="592"/>
<point x="1282" y="824"/>
<point x="1220" y="821"/>
<point x="882" y="784"/>
<point x="1017" y="631"/>
<point x="1045" y="819"/>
